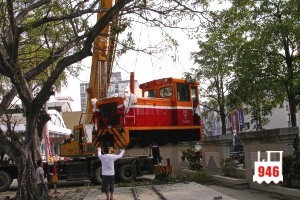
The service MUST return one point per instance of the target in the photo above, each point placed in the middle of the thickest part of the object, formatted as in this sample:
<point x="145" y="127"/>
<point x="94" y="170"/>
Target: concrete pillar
<point x="173" y="152"/>
<point x="265" y="140"/>
<point x="214" y="148"/>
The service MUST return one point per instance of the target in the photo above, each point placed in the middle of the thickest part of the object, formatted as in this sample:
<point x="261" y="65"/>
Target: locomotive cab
<point x="183" y="95"/>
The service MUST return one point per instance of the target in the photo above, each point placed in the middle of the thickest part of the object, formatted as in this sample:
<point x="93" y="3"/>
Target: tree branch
<point x="43" y="95"/>
<point x="46" y="19"/>
<point x="31" y="7"/>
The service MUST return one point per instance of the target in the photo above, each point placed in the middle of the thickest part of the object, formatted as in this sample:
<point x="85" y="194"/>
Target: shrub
<point x="200" y="177"/>
<point x="193" y="157"/>
<point x="228" y="167"/>
<point x="290" y="169"/>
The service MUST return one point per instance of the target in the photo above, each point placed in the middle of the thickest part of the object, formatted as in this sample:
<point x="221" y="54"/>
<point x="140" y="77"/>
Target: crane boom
<point x="102" y="62"/>
<point x="103" y="57"/>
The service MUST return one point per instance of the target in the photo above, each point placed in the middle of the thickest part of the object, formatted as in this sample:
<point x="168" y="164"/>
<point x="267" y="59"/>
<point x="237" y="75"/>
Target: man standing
<point x="108" y="170"/>
<point x="40" y="181"/>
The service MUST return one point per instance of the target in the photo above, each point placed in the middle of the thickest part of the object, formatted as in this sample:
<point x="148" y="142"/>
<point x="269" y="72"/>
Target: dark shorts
<point x="108" y="184"/>
<point x="43" y="191"/>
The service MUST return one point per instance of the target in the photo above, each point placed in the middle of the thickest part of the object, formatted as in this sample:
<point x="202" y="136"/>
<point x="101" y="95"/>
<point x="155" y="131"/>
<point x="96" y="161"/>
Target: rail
<point x="153" y="188"/>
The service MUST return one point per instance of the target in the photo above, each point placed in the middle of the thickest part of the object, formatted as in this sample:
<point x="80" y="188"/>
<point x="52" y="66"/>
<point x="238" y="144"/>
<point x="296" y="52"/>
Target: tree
<point x="269" y="52"/>
<point x="215" y="68"/>
<point x="263" y="38"/>
<point x="41" y="39"/>
<point x="50" y="56"/>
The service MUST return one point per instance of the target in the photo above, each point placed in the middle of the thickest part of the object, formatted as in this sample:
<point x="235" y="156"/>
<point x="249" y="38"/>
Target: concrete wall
<point x="168" y="151"/>
<point x="266" y="140"/>
<point x="216" y="147"/>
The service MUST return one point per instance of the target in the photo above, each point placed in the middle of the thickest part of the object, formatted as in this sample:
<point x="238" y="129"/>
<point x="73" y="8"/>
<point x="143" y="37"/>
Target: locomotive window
<point x="166" y="91"/>
<point x="183" y="92"/>
<point x="150" y="93"/>
<point x="194" y="97"/>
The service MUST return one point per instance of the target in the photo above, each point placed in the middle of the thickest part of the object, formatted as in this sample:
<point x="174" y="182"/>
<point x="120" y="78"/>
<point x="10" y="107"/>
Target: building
<point x="117" y="88"/>
<point x="61" y="104"/>
<point x="120" y="88"/>
<point x="55" y="130"/>
<point x="240" y="120"/>
<point x="114" y="86"/>
<point x="83" y="96"/>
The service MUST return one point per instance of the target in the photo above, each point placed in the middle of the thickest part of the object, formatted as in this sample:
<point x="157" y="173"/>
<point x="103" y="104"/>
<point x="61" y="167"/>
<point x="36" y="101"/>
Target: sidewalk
<point x="242" y="194"/>
<point x="189" y="191"/>
<point x="179" y="191"/>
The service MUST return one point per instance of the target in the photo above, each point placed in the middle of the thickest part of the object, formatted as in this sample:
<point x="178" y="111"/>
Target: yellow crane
<point x="82" y="161"/>
<point x="80" y="143"/>
<point x="103" y="57"/>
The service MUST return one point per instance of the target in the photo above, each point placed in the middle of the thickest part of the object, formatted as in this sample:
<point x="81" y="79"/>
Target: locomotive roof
<point x="166" y="80"/>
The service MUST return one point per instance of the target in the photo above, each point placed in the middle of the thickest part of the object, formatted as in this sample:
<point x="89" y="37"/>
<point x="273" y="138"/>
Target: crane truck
<point x="120" y="122"/>
<point x="166" y="113"/>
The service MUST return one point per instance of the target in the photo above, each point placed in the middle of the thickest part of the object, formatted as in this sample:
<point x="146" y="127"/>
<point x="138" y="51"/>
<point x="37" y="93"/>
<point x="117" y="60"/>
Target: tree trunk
<point x="223" y="120"/>
<point x="26" y="176"/>
<point x="293" y="111"/>
<point x="26" y="156"/>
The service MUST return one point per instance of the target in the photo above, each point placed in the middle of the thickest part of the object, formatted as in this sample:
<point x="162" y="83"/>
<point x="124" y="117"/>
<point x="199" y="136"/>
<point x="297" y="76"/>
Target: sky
<point x="145" y="67"/>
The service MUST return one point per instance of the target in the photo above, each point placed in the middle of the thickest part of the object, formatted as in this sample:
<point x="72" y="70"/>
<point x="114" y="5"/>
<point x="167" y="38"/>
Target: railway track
<point x="138" y="193"/>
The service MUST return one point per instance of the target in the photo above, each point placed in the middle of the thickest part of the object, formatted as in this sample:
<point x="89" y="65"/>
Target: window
<point x="183" y="92"/>
<point x="245" y="111"/>
<point x="111" y="88"/>
<point x="246" y="126"/>
<point x="82" y="89"/>
<point x="166" y="91"/>
<point x="150" y="93"/>
<point x="194" y="94"/>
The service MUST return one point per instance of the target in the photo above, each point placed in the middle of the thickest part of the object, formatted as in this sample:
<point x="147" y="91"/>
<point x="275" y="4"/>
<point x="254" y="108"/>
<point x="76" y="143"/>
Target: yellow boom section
<point x="103" y="57"/>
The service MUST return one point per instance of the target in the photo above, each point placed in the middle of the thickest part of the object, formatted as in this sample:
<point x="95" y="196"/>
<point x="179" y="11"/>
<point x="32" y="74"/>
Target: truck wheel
<point x="97" y="175"/>
<point x="127" y="173"/>
<point x="5" y="181"/>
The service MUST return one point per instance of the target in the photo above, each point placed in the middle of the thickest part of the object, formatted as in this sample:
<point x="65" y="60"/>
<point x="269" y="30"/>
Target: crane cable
<point x="137" y="53"/>
<point x="150" y="53"/>
<point x="128" y="106"/>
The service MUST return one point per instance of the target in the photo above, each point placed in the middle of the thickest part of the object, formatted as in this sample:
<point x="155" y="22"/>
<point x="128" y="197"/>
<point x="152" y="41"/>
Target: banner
<point x="47" y="142"/>
<point x="241" y="117"/>
<point x="229" y="122"/>
<point x="234" y="121"/>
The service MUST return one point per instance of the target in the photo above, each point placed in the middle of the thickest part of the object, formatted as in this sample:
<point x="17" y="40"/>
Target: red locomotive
<point x="165" y="114"/>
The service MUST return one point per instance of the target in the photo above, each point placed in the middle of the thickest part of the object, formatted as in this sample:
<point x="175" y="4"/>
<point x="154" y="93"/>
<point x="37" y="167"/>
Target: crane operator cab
<point x="79" y="143"/>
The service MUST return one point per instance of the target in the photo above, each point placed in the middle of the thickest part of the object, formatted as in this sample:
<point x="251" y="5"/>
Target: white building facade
<point x="240" y="120"/>
<point x="54" y="131"/>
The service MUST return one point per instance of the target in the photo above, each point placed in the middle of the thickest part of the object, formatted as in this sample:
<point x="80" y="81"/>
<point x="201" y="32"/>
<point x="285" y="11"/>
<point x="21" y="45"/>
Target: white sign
<point x="268" y="170"/>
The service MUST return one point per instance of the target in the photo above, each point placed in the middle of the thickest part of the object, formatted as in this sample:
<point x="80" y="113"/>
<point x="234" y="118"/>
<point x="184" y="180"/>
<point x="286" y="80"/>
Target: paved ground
<point x="188" y="191"/>
<point x="242" y="194"/>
